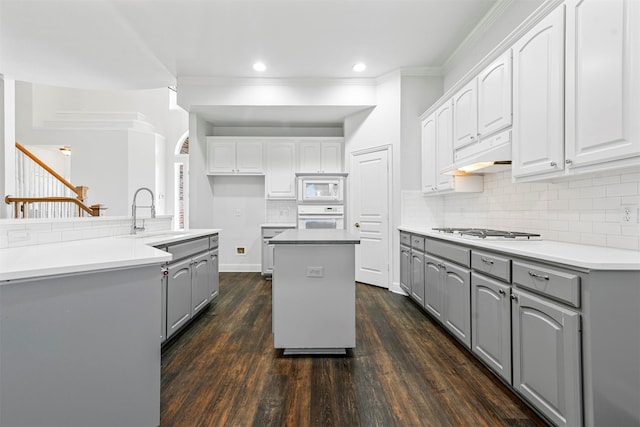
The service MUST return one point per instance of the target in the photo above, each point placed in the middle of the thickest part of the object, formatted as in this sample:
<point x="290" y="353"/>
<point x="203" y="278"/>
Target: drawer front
<point x="273" y="232"/>
<point x="455" y="253"/>
<point x="491" y="265"/>
<point x="189" y="248"/>
<point x="405" y="238"/>
<point x="213" y="242"/>
<point x="417" y="243"/>
<point x="555" y="283"/>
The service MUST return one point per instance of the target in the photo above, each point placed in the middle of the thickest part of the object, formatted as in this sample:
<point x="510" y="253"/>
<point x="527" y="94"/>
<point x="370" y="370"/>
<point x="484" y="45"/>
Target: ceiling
<point x="138" y="44"/>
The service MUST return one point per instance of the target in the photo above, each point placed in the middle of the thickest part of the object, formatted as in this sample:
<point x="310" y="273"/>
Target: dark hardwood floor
<point x="404" y="371"/>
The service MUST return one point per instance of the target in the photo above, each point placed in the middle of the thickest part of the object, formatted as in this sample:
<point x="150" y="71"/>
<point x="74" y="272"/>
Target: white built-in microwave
<point x="323" y="189"/>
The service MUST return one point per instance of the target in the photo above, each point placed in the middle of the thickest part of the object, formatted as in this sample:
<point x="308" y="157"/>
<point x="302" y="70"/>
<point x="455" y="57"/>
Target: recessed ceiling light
<point x="259" y="66"/>
<point x="359" y="67"/>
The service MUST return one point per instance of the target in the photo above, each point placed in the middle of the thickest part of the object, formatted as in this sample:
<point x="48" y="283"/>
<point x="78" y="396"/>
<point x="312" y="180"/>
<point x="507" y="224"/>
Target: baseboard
<point x="240" y="268"/>
<point x="396" y="289"/>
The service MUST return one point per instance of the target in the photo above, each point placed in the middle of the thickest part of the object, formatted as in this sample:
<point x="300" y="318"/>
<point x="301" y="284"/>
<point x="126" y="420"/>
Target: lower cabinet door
<point x="178" y="296"/>
<point x="457" y="306"/>
<point x="417" y="277"/>
<point x="405" y="269"/>
<point x="201" y="272"/>
<point x="547" y="357"/>
<point x="214" y="275"/>
<point x="433" y="298"/>
<point x="491" y="323"/>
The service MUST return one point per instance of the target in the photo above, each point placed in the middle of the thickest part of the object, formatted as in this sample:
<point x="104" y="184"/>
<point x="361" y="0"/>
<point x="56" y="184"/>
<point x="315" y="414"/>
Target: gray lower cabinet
<point x="491" y="324"/>
<point x="178" y="296"/>
<point x="547" y="358"/>
<point x="269" y="233"/>
<point x="191" y="282"/>
<point x="448" y="288"/>
<point x="417" y="276"/>
<point x="433" y="287"/>
<point x="405" y="268"/>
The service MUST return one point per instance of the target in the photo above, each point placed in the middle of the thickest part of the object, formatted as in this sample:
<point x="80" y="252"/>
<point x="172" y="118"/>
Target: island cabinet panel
<point x="200" y="270"/>
<point x="314" y="296"/>
<point x="547" y="368"/>
<point x="178" y="296"/>
<point x="491" y="323"/>
<point x="81" y="349"/>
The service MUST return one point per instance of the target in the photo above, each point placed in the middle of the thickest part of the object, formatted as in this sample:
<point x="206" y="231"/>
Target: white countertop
<point x="583" y="256"/>
<point x="76" y="256"/>
<point x="278" y="225"/>
<point x="315" y="237"/>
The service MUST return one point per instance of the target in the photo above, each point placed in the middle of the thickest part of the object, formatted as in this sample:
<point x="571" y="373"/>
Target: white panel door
<point x="369" y="177"/>
<point x="494" y="96"/>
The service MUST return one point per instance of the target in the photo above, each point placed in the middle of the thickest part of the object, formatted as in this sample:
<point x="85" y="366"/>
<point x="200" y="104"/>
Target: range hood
<point x="487" y="156"/>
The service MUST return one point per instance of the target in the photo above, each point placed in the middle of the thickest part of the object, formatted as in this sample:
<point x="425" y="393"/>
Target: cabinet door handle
<point x="514" y="297"/>
<point x="538" y="276"/>
<point x="486" y="260"/>
<point x="568" y="161"/>
<point x="553" y="164"/>
<point x="356" y="225"/>
<point x="501" y="291"/>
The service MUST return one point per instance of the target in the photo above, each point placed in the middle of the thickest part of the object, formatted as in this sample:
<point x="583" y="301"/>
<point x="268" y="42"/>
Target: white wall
<point x="7" y="141"/>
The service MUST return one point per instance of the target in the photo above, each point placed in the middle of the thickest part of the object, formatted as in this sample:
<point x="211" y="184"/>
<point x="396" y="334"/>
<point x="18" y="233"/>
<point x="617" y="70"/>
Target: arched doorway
<point x="181" y="183"/>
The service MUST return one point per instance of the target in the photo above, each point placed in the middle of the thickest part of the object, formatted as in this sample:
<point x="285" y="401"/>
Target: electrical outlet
<point x="315" y="272"/>
<point x="240" y="251"/>
<point x="629" y="214"/>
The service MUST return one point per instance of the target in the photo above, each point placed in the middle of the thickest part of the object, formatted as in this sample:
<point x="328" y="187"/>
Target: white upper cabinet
<point x="481" y="109"/>
<point x="437" y="155"/>
<point x="444" y="146"/>
<point x="280" y="177"/>
<point x="494" y="96"/>
<point x="603" y="81"/>
<point x="233" y="157"/>
<point x="429" y="157"/>
<point x="465" y="116"/>
<point x="320" y="156"/>
<point x="538" y="88"/>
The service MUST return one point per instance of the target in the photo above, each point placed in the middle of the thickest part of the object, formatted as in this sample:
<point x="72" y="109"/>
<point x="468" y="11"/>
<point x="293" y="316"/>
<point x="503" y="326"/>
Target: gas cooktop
<point x="484" y="233"/>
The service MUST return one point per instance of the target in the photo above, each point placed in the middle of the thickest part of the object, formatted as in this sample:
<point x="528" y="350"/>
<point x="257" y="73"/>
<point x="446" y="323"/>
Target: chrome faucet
<point x="134" y="227"/>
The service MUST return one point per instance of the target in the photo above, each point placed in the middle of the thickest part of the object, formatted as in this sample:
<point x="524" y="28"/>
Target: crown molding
<point x="479" y="30"/>
<point x="251" y="81"/>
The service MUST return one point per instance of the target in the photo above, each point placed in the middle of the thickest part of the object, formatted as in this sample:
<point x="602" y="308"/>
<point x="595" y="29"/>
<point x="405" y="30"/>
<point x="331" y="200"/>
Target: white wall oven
<point x="321" y="189"/>
<point x="321" y="216"/>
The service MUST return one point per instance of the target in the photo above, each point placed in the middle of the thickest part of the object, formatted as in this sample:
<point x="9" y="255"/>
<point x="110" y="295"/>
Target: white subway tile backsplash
<point x="583" y="210"/>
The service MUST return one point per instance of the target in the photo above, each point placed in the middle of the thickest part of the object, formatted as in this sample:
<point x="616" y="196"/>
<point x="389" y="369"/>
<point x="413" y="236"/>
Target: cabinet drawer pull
<point x="538" y="276"/>
<point x="486" y="260"/>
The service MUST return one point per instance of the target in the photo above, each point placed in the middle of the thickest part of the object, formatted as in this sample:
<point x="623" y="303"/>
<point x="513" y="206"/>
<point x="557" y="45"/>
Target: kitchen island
<point x="314" y="291"/>
<point x="80" y="330"/>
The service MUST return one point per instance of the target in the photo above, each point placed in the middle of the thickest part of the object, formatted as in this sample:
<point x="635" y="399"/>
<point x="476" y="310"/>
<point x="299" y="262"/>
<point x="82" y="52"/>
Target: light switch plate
<point x="315" y="272"/>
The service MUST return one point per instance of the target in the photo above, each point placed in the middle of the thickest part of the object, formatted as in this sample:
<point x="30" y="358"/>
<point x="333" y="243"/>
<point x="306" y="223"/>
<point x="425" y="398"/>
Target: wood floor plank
<point x="405" y="370"/>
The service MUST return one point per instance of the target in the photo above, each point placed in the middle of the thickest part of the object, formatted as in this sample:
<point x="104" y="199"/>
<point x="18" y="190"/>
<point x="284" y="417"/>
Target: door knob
<point x="357" y="225"/>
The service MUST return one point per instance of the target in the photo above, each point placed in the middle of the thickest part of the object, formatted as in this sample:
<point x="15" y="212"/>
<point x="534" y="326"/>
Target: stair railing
<point x="44" y="193"/>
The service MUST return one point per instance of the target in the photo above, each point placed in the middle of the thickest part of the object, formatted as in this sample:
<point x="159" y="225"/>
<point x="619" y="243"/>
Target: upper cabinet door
<point x="331" y="152"/>
<point x="538" y="95"/>
<point x="429" y="159"/>
<point x="494" y="96"/>
<point x="221" y="157"/>
<point x="320" y="156"/>
<point x="465" y="116"/>
<point x="603" y="88"/>
<point x="280" y="178"/>
<point x="249" y="157"/>
<point x="444" y="146"/>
